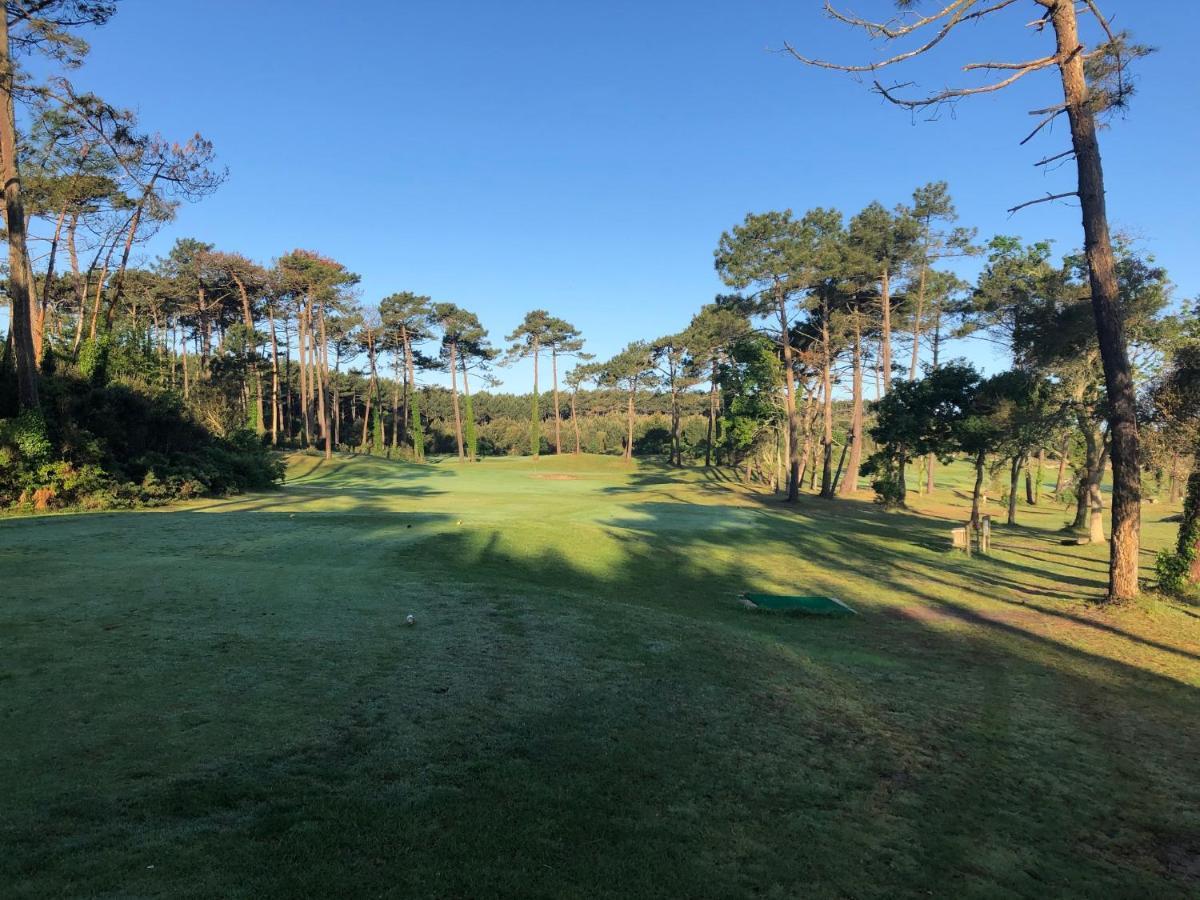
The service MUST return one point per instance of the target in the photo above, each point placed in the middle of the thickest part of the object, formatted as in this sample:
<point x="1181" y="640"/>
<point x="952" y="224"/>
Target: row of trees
<point x="1094" y="82"/>
<point x="83" y="181"/>
<point x="823" y="305"/>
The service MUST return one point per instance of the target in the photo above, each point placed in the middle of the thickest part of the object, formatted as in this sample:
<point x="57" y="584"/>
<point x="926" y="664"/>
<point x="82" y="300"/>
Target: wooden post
<point x="985" y="535"/>
<point x="960" y="538"/>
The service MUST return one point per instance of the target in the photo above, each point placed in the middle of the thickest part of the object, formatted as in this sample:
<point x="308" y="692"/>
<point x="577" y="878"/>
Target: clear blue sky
<point x="585" y="156"/>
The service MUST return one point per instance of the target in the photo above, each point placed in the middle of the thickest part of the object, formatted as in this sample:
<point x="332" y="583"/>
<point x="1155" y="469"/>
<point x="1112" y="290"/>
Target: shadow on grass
<point x="551" y="729"/>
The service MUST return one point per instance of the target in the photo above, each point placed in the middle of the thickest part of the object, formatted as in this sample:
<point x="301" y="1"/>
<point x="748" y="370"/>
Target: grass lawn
<point x="222" y="699"/>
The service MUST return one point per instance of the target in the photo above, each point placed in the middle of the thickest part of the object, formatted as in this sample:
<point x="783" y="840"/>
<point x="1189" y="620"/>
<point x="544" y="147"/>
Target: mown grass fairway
<point x="222" y="699"/>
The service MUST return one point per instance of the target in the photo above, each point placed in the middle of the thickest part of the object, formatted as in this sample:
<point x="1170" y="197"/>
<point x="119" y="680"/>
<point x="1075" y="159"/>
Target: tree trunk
<point x="575" y="421"/>
<point x="1173" y="483"/>
<point x="19" y="288"/>
<point x="1014" y="483"/>
<point x="248" y="318"/>
<point x="410" y="400"/>
<point x="275" y="418"/>
<point x="287" y="419"/>
<point x="712" y="413"/>
<point x="1096" y="500"/>
<point x="826" y="409"/>
<point x="849" y="484"/>
<point x="322" y="385"/>
<point x="1091" y="460"/>
<point x="1033" y="486"/>
<point x="458" y="428"/>
<point x="885" y="338"/>
<point x="1106" y="307"/>
<point x="916" y="348"/>
<point x="42" y="308"/>
<point x="395" y="442"/>
<point x="409" y="381"/>
<point x="789" y="382"/>
<point x="837" y="475"/>
<point x="1060" y="482"/>
<point x="77" y="285"/>
<point x="629" y="422"/>
<point x="184" y="363"/>
<point x="535" y="421"/>
<point x="302" y="373"/>
<point x="366" y="429"/>
<point x="119" y="284"/>
<point x="377" y="438"/>
<point x="977" y="493"/>
<point x="557" y="408"/>
<point x="676" y="453"/>
<point x="930" y="459"/>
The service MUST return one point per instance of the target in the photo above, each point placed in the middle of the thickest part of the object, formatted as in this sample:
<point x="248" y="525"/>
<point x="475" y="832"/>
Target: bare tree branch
<point x="1050" y="159"/>
<point x="888" y="29"/>
<point x="952" y="94"/>
<point x="1052" y="113"/>
<point x="1048" y="198"/>
<point x="959" y="16"/>
<point x="1045" y="60"/>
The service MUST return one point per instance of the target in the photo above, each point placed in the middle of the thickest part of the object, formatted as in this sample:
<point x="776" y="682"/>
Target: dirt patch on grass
<point x="556" y="476"/>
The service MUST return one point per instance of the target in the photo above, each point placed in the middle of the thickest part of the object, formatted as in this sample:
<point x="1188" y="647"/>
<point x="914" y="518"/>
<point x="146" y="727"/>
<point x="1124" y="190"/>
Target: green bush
<point x="117" y="446"/>
<point x="888" y="491"/>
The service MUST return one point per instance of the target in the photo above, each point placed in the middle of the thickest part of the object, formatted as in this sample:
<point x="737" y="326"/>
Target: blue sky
<point x="584" y="157"/>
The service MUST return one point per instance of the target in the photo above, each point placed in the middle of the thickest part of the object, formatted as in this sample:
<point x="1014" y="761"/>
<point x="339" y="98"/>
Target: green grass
<point x="222" y="699"/>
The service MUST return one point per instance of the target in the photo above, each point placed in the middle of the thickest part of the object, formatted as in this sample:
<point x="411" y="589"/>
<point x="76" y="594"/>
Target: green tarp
<point x="814" y="605"/>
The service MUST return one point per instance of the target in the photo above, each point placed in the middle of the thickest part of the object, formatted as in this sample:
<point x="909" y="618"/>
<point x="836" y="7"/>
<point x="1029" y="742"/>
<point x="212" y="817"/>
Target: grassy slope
<point x="221" y="699"/>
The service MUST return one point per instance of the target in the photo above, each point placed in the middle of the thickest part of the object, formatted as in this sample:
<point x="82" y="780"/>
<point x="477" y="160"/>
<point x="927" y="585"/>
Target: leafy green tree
<point x="370" y="332"/>
<point x="671" y="359"/>
<point x="1026" y="410"/>
<point x="1094" y="82"/>
<point x="529" y="338"/>
<point x="406" y="318"/>
<point x="777" y="258"/>
<point x="416" y="428"/>
<point x="30" y="26"/>
<point x="581" y="374"/>
<point x="933" y="213"/>
<point x="915" y="418"/>
<point x="880" y="245"/>
<point x="459" y="328"/>
<point x="318" y="286"/>
<point x="710" y="336"/>
<point x="750" y="378"/>
<point x="1176" y="397"/>
<point x="562" y="339"/>
<point x="477" y="353"/>
<point x="629" y="370"/>
<point x="1044" y="313"/>
<point x="250" y="283"/>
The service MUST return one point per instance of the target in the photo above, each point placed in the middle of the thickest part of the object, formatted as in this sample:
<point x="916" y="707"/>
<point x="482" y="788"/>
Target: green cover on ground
<point x="813" y="605"/>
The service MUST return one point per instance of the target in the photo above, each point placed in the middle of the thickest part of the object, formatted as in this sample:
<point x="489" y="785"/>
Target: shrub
<point x="117" y="446"/>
